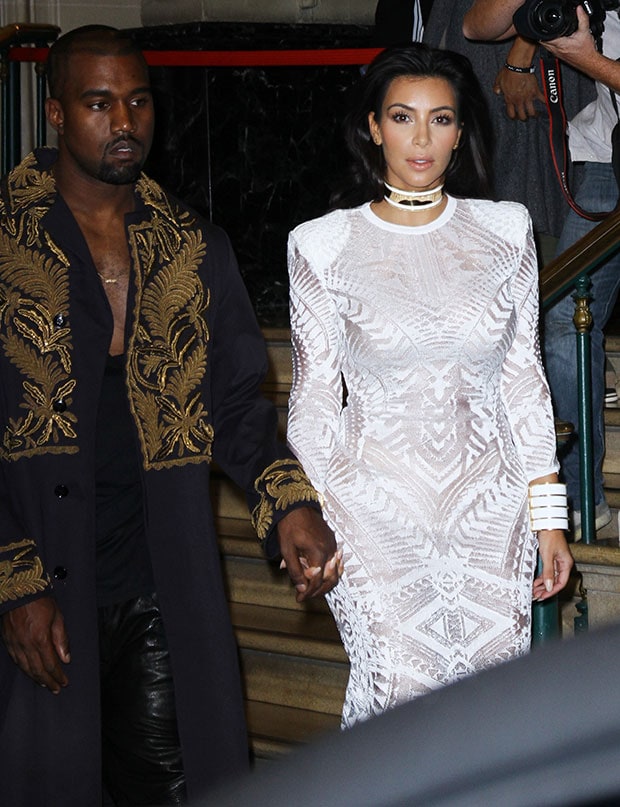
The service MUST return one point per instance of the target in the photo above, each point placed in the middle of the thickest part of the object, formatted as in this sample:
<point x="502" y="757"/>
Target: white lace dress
<point x="424" y="472"/>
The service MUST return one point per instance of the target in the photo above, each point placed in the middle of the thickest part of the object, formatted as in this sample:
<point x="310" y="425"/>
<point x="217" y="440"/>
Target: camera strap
<point x="552" y="86"/>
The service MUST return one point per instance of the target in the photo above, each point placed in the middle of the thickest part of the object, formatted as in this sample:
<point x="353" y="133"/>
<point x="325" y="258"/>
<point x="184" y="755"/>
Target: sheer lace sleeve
<point x="316" y="395"/>
<point x="525" y="391"/>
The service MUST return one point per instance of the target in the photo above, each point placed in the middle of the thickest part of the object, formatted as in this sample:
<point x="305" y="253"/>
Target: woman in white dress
<point x="419" y="405"/>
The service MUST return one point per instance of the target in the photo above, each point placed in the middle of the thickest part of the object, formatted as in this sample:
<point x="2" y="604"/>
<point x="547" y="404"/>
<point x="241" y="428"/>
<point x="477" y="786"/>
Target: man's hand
<point x="308" y="549"/>
<point x="35" y="636"/>
<point x="578" y="49"/>
<point x="520" y="91"/>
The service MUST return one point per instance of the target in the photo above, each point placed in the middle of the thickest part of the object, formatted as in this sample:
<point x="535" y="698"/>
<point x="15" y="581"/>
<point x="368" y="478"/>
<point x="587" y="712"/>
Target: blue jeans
<point x="597" y="192"/>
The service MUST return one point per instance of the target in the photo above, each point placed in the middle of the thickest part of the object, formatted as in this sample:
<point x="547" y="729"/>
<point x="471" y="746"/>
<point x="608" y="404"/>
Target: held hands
<point x="557" y="562"/>
<point x="308" y="549"/>
<point x="35" y="637"/>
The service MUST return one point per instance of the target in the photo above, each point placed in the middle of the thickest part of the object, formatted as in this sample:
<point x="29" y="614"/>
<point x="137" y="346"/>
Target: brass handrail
<point x="559" y="275"/>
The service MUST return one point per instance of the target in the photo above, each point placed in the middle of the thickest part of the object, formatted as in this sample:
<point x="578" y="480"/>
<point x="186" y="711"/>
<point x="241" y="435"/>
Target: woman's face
<point x="418" y="131"/>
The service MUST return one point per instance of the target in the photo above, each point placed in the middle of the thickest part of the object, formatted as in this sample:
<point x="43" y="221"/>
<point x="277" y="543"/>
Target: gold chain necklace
<point x="107" y="280"/>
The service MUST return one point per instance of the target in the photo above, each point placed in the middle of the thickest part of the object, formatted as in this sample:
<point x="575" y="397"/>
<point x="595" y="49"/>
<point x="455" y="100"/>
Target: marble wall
<point x="257" y="150"/>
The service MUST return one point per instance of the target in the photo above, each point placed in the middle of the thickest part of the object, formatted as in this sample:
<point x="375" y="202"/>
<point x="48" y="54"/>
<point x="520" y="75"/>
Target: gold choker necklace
<point x="414" y="200"/>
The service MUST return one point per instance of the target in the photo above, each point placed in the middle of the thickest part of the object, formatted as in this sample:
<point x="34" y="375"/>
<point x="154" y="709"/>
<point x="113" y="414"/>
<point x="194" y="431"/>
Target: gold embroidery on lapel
<point x="281" y="484"/>
<point x="34" y="287"/>
<point x="168" y="346"/>
<point x="21" y="571"/>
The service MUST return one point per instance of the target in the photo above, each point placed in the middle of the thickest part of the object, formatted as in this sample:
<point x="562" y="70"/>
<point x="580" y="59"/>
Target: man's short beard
<point x="119" y="175"/>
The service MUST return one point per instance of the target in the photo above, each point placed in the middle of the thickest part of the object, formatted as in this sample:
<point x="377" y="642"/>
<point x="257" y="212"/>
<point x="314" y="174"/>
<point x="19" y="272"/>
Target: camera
<point x="543" y="20"/>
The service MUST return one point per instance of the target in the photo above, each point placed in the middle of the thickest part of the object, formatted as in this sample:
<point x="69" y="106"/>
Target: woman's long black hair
<point x="469" y="172"/>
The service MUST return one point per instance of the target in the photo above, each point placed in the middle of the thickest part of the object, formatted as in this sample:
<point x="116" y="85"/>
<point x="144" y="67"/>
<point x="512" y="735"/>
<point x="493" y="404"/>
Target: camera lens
<point x="551" y="19"/>
<point x="546" y="19"/>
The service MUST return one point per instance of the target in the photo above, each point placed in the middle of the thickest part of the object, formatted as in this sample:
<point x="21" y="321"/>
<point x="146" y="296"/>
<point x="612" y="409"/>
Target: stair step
<point x="265" y="752"/>
<point x="258" y="582"/>
<point x="275" y="728"/>
<point x="611" y="463"/>
<point x="241" y="547"/>
<point x="316" y="686"/>
<point x="280" y="374"/>
<point x="295" y="646"/>
<point x="291" y="633"/>
<point x="612" y="342"/>
<point x="612" y="416"/>
<point x="613" y="500"/>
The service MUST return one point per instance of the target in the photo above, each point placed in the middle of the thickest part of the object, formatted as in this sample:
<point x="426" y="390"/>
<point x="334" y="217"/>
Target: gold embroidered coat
<point x="195" y="360"/>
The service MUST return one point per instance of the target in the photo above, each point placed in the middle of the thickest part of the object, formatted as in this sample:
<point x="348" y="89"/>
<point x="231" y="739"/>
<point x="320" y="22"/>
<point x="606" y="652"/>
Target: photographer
<point x="590" y="143"/>
<point x="521" y="168"/>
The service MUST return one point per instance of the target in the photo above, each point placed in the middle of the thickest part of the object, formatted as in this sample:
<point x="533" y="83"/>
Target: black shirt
<point x="123" y="562"/>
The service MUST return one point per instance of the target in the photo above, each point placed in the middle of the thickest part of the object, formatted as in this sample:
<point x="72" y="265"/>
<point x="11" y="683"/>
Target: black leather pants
<point x="142" y="762"/>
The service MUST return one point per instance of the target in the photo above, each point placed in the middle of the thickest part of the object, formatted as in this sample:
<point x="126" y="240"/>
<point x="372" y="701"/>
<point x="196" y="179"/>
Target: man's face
<point x="104" y="117"/>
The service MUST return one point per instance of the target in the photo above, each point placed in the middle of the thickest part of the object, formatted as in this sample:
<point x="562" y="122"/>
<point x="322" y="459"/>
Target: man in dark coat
<point x="129" y="359"/>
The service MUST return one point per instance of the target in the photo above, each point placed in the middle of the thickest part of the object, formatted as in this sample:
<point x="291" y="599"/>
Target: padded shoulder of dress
<point x="509" y="220"/>
<point x="321" y="240"/>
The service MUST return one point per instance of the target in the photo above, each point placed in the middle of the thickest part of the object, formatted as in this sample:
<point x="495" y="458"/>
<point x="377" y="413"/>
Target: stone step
<point x="275" y="728"/>
<point x="256" y="582"/>
<point x="286" y="632"/>
<point x="611" y="463"/>
<point x="289" y="701"/>
<point x="612" y="343"/>
<point x="315" y="686"/>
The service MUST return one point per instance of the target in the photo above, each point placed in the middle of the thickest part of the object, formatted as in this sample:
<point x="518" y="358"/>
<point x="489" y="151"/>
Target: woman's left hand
<point x="557" y="562"/>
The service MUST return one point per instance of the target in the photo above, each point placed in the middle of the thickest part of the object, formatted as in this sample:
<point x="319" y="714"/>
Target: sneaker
<point x="611" y="397"/>
<point x="602" y="517"/>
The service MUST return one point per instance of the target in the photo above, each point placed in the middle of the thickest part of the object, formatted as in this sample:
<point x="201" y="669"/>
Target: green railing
<point x="571" y="270"/>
